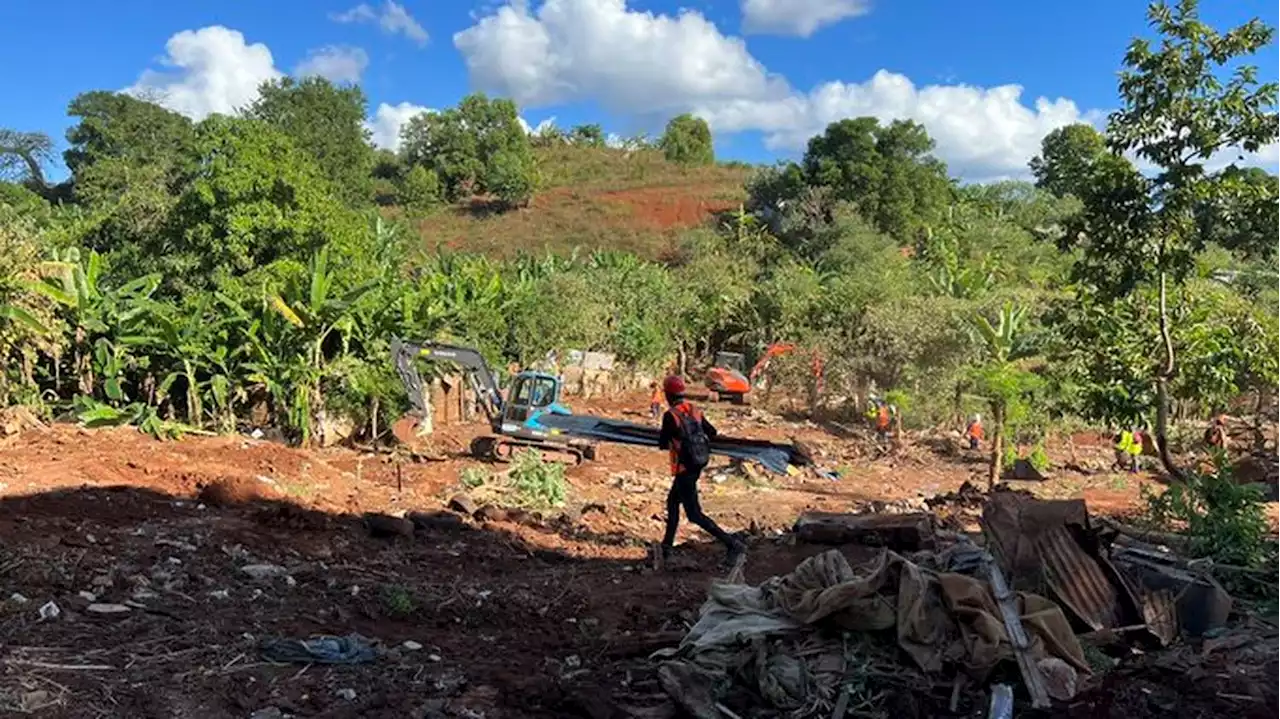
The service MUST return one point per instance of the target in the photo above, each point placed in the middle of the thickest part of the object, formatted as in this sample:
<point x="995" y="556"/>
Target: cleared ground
<point x="529" y="616"/>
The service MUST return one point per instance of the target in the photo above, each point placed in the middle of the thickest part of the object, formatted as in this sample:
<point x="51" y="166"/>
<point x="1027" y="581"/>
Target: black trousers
<point x="684" y="492"/>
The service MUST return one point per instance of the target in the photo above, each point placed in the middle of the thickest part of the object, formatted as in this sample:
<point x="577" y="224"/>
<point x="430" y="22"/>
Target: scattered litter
<point x="351" y="649"/>
<point x="411" y="646"/>
<point x="347" y="694"/>
<point x="268" y="713"/>
<point x="263" y="571"/>
<point x="107" y="609"/>
<point x="49" y="611"/>
<point x="17" y="598"/>
<point x="1001" y="702"/>
<point x="87" y="596"/>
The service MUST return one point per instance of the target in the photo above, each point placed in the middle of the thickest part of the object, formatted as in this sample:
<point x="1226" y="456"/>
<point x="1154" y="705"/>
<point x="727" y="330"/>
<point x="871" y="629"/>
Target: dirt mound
<point x="233" y="491"/>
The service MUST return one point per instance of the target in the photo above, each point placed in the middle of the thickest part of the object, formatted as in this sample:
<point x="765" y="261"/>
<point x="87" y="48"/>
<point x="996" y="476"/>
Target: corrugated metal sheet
<point x="1078" y="579"/>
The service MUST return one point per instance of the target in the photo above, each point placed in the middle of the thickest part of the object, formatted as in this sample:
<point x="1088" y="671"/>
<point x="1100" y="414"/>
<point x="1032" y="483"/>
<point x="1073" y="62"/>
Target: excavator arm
<point x="477" y="371"/>
<point x="774" y="350"/>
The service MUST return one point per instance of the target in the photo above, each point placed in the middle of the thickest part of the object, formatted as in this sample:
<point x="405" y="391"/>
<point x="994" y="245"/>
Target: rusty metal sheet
<point x="1078" y="579"/>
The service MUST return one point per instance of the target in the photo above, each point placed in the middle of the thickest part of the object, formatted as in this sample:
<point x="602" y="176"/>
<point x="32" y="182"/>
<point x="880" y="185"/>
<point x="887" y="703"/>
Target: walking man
<point x="687" y="435"/>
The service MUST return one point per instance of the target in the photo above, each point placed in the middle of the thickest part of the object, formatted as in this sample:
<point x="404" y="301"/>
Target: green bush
<point x="537" y="483"/>
<point x="1225" y="521"/>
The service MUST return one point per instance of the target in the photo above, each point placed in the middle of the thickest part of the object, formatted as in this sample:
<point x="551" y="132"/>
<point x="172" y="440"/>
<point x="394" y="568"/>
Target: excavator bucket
<point x="408" y="431"/>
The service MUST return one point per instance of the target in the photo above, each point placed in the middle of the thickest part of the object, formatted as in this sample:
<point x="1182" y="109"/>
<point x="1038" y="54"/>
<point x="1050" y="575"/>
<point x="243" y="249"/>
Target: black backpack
<point x="695" y="446"/>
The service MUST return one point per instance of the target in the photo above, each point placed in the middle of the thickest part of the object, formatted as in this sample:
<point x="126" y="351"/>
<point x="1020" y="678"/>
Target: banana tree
<point x="197" y="341"/>
<point x="291" y="341"/>
<point x="107" y="323"/>
<point x="1005" y="384"/>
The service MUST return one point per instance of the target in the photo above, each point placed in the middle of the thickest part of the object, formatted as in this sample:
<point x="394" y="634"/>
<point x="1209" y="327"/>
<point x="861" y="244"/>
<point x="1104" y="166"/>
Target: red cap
<point x="673" y="385"/>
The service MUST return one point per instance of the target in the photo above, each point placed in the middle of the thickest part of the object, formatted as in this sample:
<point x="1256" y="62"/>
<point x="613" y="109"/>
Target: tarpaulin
<point x="772" y="456"/>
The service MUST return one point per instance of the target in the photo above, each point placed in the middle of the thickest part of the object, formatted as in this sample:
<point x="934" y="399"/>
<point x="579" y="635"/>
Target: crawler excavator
<point x="516" y="421"/>
<point x="531" y="416"/>
<point x="726" y="379"/>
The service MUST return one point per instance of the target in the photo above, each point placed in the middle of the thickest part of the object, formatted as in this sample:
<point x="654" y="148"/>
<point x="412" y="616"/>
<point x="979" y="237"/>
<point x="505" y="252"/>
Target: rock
<point x="492" y="513"/>
<point x="107" y="609"/>
<point x="386" y="526"/>
<point x="262" y="572"/>
<point x="462" y="504"/>
<point x="88" y="596"/>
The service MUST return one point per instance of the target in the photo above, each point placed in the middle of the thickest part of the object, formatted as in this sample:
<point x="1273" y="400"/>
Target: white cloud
<point x="393" y="18"/>
<point x="214" y="71"/>
<point x="647" y="64"/>
<point x="982" y="133"/>
<point x="634" y="62"/>
<point x="336" y="63"/>
<point x="384" y="126"/>
<point x="799" y="18"/>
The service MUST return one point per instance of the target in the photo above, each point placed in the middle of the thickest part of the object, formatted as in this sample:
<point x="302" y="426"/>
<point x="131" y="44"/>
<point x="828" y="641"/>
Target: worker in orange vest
<point x="687" y="434"/>
<point x="974" y="431"/>
<point x="655" y="400"/>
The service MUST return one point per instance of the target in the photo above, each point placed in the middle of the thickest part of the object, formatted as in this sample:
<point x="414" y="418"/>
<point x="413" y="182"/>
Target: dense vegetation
<point x="240" y="269"/>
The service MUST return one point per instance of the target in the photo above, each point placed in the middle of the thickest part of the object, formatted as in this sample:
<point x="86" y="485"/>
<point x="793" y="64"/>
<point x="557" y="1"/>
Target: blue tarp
<point x="772" y="456"/>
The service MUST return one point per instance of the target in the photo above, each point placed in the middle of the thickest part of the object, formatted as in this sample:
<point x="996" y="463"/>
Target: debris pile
<point x="934" y="623"/>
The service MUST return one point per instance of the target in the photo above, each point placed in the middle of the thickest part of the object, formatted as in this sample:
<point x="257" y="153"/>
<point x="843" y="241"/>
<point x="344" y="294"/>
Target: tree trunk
<point x="1162" y="387"/>
<point x="997" y="445"/>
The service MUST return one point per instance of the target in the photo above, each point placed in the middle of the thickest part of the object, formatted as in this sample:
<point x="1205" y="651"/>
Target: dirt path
<point x="502" y="618"/>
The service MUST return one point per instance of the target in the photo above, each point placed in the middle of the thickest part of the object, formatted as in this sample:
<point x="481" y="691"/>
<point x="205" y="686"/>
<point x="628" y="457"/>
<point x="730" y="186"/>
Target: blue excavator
<point x="532" y="416"/>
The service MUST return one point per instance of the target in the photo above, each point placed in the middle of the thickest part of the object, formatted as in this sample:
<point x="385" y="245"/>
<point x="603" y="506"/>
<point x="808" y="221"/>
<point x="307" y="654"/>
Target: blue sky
<point x="766" y="73"/>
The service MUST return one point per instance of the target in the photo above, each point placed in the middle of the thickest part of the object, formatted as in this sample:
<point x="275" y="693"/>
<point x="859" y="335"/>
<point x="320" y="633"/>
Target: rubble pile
<point x="937" y="622"/>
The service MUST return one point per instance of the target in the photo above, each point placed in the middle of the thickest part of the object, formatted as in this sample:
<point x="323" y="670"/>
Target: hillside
<point x="593" y="199"/>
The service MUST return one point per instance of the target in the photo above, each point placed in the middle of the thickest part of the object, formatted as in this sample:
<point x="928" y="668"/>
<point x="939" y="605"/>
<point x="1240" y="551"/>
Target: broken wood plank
<point x="1031" y="675"/>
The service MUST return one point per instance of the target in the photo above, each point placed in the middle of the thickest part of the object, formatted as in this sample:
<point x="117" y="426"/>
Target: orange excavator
<point x="726" y="379"/>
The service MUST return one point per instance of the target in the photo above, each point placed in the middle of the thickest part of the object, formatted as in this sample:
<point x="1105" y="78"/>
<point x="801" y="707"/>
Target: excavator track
<point x="495" y="448"/>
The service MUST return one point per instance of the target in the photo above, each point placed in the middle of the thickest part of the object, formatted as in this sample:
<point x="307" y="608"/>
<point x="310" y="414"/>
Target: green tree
<point x="587" y="136"/>
<point x="419" y="190"/>
<point x="23" y="156"/>
<point x="687" y="141"/>
<point x="1066" y="159"/>
<point x="886" y="171"/>
<point x="128" y="158"/>
<point x="512" y="176"/>
<point x="461" y="145"/>
<point x="252" y="199"/>
<point x="327" y="122"/>
<point x="1137" y="232"/>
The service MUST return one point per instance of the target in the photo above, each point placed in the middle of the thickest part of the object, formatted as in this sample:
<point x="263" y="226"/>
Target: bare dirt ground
<point x="548" y="616"/>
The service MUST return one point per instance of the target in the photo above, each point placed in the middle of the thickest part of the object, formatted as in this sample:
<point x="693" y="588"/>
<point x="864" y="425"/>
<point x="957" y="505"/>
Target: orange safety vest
<point x="678" y="412"/>
<point x="656" y="397"/>
<point x="882" y="418"/>
<point x="975" y="430"/>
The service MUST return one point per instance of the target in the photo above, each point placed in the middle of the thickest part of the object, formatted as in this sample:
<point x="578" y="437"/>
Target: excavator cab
<point x="725" y="377"/>
<point x="730" y="361"/>
<point x="531" y="395"/>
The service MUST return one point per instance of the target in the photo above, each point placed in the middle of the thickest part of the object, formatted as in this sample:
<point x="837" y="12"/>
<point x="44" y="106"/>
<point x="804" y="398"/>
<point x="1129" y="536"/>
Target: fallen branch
<point x="1173" y="541"/>
<point x="60" y="667"/>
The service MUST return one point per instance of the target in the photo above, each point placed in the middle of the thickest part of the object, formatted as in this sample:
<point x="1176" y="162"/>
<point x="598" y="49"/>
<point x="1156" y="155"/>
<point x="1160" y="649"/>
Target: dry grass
<point x="593" y="199"/>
